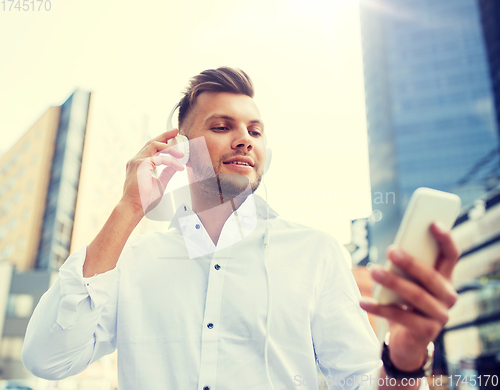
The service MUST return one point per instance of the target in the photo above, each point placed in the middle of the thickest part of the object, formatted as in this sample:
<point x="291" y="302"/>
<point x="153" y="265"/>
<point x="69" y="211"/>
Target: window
<point x="19" y="305"/>
<point x="3" y="232"/>
<point x="15" y="158"/>
<point x="12" y="223"/>
<point x="6" y="207"/>
<point x="21" y="243"/>
<point x="21" y="171"/>
<point x="6" y="167"/>
<point x="26" y="145"/>
<point x="60" y="254"/>
<point x="11" y="347"/>
<point x="10" y="182"/>
<point x="17" y="197"/>
<point x="8" y="251"/>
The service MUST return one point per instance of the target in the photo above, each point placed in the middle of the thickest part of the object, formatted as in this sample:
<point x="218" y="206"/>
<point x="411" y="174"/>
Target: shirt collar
<point x="240" y="224"/>
<point x="246" y="210"/>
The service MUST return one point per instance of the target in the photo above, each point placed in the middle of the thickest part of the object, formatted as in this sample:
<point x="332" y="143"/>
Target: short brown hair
<point x="223" y="79"/>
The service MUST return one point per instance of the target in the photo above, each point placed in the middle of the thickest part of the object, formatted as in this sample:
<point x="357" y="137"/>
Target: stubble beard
<point x="224" y="185"/>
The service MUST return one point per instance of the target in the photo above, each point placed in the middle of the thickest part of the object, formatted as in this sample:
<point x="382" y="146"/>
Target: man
<point x="231" y="297"/>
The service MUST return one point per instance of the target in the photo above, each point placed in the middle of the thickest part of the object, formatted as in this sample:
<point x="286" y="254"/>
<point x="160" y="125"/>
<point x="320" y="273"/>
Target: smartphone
<point x="414" y="236"/>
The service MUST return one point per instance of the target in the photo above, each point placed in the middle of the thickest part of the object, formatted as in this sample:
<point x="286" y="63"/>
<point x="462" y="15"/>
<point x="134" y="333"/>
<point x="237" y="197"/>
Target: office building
<point x="58" y="185"/>
<point x="472" y="334"/>
<point x="431" y="84"/>
<point x="430" y="105"/>
<point x="490" y="21"/>
<point x="38" y="191"/>
<point x="24" y="179"/>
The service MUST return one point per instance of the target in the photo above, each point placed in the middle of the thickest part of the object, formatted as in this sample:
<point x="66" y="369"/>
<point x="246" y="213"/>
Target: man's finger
<point x="449" y="253"/>
<point x="164" y="159"/>
<point x="412" y="293"/>
<point x="426" y="276"/>
<point x="167" y="135"/>
<point x="415" y="323"/>
<point x="169" y="150"/>
<point x="163" y="137"/>
<point x="166" y="175"/>
<point x="157" y="148"/>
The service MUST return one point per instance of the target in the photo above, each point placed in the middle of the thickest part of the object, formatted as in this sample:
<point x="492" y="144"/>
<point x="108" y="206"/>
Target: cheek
<point x="261" y="154"/>
<point x="215" y="150"/>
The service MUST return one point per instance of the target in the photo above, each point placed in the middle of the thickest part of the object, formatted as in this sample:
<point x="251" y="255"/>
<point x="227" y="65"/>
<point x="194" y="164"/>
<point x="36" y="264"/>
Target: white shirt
<point x="186" y="314"/>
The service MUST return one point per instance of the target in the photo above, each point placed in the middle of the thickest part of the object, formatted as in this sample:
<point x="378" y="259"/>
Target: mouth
<point x="239" y="166"/>
<point x="239" y="162"/>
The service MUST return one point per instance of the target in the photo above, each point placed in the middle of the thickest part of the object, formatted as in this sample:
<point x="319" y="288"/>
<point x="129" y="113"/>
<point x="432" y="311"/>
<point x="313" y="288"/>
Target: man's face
<point x="234" y="135"/>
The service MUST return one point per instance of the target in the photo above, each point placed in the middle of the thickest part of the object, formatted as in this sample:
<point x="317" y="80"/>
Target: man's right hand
<point x="142" y="191"/>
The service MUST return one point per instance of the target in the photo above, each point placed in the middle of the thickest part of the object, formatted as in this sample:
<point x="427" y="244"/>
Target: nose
<point x="242" y="140"/>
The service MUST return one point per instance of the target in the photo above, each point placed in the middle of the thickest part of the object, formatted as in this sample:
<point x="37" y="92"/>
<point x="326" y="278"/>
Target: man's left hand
<point x="429" y="298"/>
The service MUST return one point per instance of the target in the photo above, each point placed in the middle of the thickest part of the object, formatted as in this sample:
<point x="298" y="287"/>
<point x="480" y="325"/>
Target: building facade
<point x="472" y="334"/>
<point x="58" y="185"/>
<point x="431" y="84"/>
<point x="64" y="176"/>
<point x="24" y="179"/>
<point x="490" y="20"/>
<point x="430" y="104"/>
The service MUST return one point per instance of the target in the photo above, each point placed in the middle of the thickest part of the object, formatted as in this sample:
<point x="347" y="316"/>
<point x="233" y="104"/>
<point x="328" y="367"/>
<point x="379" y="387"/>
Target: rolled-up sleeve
<point x="74" y="324"/>
<point x="75" y="288"/>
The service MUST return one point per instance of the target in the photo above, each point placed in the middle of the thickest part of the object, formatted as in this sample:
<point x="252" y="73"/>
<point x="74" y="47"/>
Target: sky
<point x="303" y="57"/>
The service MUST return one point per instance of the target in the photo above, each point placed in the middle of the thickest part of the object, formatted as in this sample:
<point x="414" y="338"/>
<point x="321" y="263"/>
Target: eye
<point x="255" y="131"/>
<point x="220" y="128"/>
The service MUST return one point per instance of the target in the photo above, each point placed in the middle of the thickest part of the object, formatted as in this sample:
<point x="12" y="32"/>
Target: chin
<point x="232" y="185"/>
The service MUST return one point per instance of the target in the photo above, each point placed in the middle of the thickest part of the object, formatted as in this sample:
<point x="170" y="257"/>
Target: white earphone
<point x="182" y="143"/>
<point x="180" y="140"/>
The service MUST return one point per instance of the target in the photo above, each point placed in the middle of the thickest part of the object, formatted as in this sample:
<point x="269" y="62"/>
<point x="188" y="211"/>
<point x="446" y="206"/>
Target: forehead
<point x="238" y="106"/>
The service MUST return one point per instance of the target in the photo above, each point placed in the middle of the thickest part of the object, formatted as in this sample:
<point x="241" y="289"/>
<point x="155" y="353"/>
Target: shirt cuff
<point x="75" y="288"/>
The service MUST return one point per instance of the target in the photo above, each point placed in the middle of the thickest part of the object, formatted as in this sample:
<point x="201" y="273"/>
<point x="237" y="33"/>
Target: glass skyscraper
<point x="64" y="179"/>
<point x="430" y="104"/>
<point x="490" y="20"/>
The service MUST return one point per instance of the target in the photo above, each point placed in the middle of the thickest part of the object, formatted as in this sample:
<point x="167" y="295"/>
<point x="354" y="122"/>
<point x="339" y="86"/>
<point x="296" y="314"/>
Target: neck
<point x="213" y="210"/>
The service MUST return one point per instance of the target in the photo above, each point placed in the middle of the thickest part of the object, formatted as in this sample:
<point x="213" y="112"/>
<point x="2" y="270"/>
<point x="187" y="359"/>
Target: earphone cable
<point x="268" y="318"/>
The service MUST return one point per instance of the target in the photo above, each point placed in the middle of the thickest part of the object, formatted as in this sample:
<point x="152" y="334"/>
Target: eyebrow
<point x="255" y="121"/>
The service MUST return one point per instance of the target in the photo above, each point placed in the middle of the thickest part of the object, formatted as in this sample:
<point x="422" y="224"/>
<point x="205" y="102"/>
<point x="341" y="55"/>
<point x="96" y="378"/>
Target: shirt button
<point x="197" y="226"/>
<point x="206" y="388"/>
<point x="210" y="325"/>
<point x="185" y="208"/>
<point x="217" y="267"/>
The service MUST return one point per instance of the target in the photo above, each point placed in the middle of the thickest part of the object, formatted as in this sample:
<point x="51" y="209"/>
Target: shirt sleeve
<point x="74" y="324"/>
<point x="346" y="347"/>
